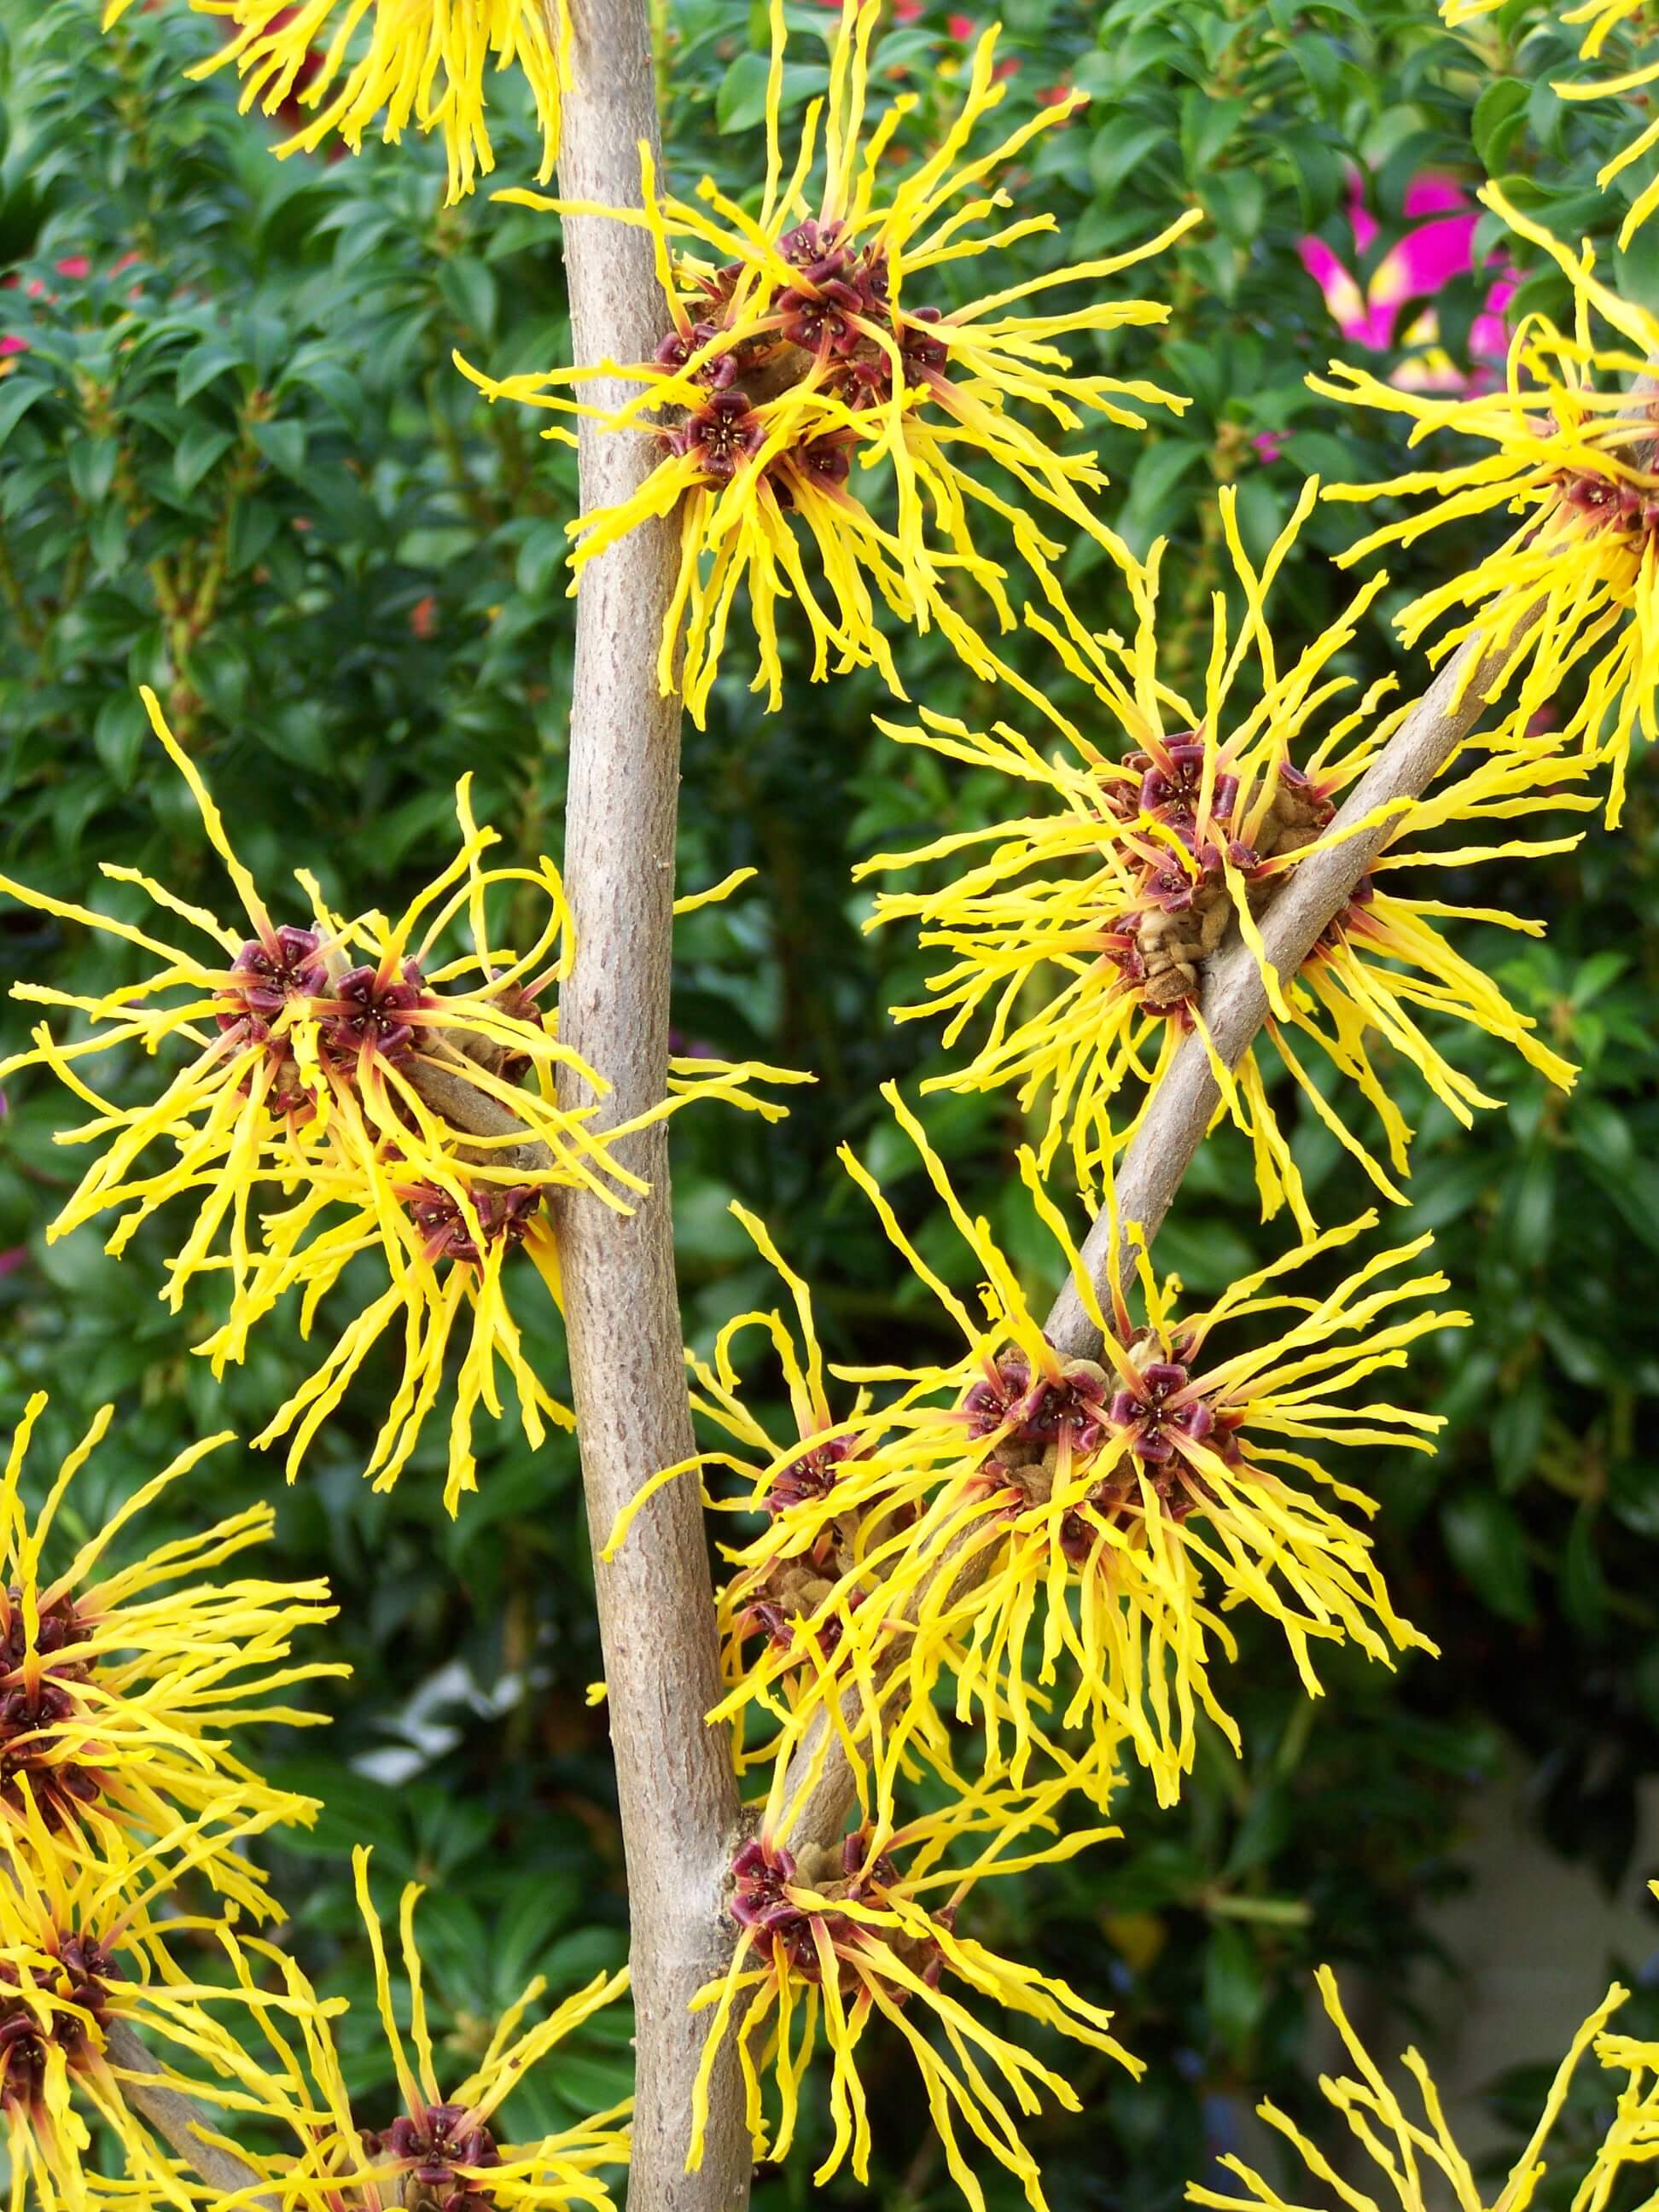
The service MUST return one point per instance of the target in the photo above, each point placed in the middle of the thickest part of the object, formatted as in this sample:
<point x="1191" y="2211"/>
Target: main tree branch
<point x="674" y="1774"/>
<point x="1235" y="1006"/>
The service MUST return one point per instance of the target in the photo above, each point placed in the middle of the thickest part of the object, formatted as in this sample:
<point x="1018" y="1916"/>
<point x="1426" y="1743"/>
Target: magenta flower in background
<point x="1440" y="248"/>
<point x="74" y="266"/>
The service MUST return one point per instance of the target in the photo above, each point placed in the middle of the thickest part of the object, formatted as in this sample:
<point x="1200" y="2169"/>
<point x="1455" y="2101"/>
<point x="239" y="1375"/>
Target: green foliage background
<point x="236" y="463"/>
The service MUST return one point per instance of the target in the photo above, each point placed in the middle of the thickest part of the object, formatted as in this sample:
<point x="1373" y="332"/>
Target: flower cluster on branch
<point x="1001" y="1575"/>
<point x="829" y="1943"/>
<point x="124" y="1683"/>
<point x="1025" y="1540"/>
<point x="118" y="1791"/>
<point x="424" y="63"/>
<point x="351" y="1091"/>
<point x="1568" y="445"/>
<point x="813" y="338"/>
<point x="1078" y="937"/>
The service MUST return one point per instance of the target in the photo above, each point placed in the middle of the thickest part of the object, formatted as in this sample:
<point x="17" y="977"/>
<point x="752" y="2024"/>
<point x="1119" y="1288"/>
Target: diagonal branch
<point x="180" y="2121"/>
<point x="675" y="1778"/>
<point x="1182" y="1110"/>
<point x="1235" y="997"/>
<point x="443" y="1081"/>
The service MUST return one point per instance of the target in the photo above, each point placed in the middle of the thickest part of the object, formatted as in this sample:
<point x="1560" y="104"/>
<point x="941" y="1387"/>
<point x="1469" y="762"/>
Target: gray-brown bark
<point x="674" y="1776"/>
<point x="1235" y="998"/>
<point x="179" y="2120"/>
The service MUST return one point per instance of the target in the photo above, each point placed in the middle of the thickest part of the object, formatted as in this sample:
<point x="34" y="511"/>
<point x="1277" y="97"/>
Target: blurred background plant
<point x="235" y="464"/>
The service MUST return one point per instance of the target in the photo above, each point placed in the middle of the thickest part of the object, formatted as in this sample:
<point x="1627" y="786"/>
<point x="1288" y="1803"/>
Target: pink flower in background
<point x="965" y="29"/>
<point x="76" y="267"/>
<point x="73" y="265"/>
<point x="1440" y="248"/>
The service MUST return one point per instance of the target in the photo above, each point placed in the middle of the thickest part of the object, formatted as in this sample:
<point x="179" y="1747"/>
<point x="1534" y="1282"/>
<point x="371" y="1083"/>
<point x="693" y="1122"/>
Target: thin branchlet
<point x="180" y="2121"/>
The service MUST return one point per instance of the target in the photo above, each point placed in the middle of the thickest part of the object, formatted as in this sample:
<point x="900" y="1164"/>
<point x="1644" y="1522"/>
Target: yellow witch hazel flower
<point x="409" y="1098"/>
<point x="1417" y="2160"/>
<point x="1044" y="1539"/>
<point x="123" y="1683"/>
<point x="442" y="2149"/>
<point x="1116" y="1499"/>
<point x="813" y="335"/>
<point x="783" y="1611"/>
<point x="830" y="1941"/>
<point x="1107" y="1502"/>
<point x="1077" y="941"/>
<point x="1568" y="445"/>
<point x="1602" y="20"/>
<point x="420" y="62"/>
<point x="1632" y="2138"/>
<point x="81" y="1952"/>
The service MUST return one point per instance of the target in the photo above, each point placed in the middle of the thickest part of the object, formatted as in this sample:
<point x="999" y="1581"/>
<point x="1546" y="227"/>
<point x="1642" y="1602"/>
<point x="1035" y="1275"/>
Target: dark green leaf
<point x="1486" y="1540"/>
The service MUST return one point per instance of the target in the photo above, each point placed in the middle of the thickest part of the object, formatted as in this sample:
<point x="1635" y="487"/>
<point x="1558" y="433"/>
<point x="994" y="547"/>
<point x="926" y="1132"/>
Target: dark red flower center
<point x="760" y="1899"/>
<point x="86" y="1969"/>
<point x="267" y="974"/>
<point x="763" y="1875"/>
<point x="812" y="247"/>
<point x="724" y="433"/>
<point x="1065" y="1405"/>
<point x="1172" y="781"/>
<point x="828" y="459"/>
<point x="30" y="1746"/>
<point x="453" y="1231"/>
<point x="60" y="1628"/>
<point x="1154" y="1424"/>
<point x="1600" y="500"/>
<point x="990" y="1404"/>
<point x="836" y="325"/>
<point x="777" y="1623"/>
<point x="923" y="353"/>
<point x="430" y="2148"/>
<point x="811" y="1477"/>
<point x="23" y="2046"/>
<point x="368" y="1011"/>
<point x="1071" y="1409"/>
<point x="824" y="321"/>
<point x="676" y="349"/>
<point x="823" y="462"/>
